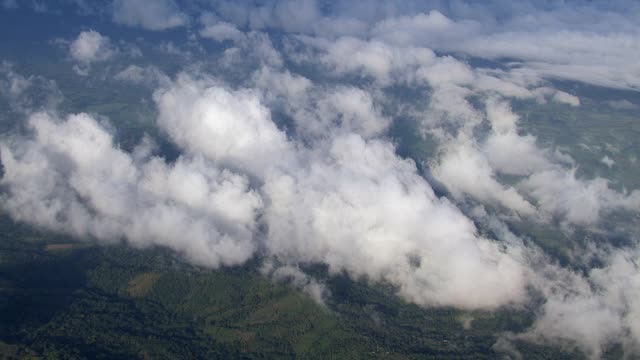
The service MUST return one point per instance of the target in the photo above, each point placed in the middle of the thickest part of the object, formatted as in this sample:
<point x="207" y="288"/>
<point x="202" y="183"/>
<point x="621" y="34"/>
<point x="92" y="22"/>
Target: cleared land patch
<point x="140" y="285"/>
<point x="58" y="247"/>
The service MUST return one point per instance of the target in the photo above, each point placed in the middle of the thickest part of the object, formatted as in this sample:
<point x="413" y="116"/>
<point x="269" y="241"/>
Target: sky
<point x="282" y="115"/>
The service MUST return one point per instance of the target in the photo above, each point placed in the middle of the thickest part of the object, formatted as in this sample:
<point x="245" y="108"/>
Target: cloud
<point x="565" y="98"/>
<point x="68" y="176"/>
<point x="593" y="312"/>
<point x="342" y="194"/>
<point x="607" y="161"/>
<point x="548" y="190"/>
<point x="319" y="112"/>
<point x="153" y="15"/>
<point x="26" y="94"/>
<point x="465" y="172"/>
<point x="149" y="76"/>
<point x="594" y="43"/>
<point x="361" y="209"/>
<point x="222" y="31"/>
<point x="348" y="202"/>
<point x="296" y="277"/>
<point x="337" y="206"/>
<point x="622" y="105"/>
<point x="560" y="193"/>
<point x="250" y="52"/>
<point x="438" y="28"/>
<point x="375" y="59"/>
<point x="505" y="148"/>
<point x="90" y="47"/>
<point x="392" y="64"/>
<point x="232" y="128"/>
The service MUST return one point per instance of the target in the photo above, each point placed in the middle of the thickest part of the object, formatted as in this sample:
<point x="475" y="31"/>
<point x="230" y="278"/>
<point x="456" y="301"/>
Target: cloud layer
<point x="283" y="132"/>
<point x="149" y="14"/>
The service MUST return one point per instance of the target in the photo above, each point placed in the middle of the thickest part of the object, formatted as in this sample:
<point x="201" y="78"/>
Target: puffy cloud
<point x="89" y="47"/>
<point x="591" y="312"/>
<point x="591" y="42"/>
<point x="565" y="98"/>
<point x="329" y="210"/>
<point x="346" y="201"/>
<point x="505" y="152"/>
<point x="548" y="190"/>
<point x="505" y="148"/>
<point x="607" y="161"/>
<point x="149" y="14"/>
<point x="353" y="110"/>
<point x="68" y="176"/>
<point x="222" y="31"/>
<point x="373" y="58"/>
<point x="393" y="64"/>
<point x="465" y="170"/>
<point x="559" y="192"/>
<point x="319" y="112"/>
<point x="229" y="127"/>
<point x="361" y="209"/>
<point x="334" y="168"/>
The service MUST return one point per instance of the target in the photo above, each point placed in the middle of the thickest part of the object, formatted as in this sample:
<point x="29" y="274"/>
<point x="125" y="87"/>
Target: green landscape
<point x="74" y="300"/>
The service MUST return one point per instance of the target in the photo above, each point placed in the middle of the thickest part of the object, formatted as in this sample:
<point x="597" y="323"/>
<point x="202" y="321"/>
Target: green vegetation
<point x="589" y="133"/>
<point x="114" y="302"/>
